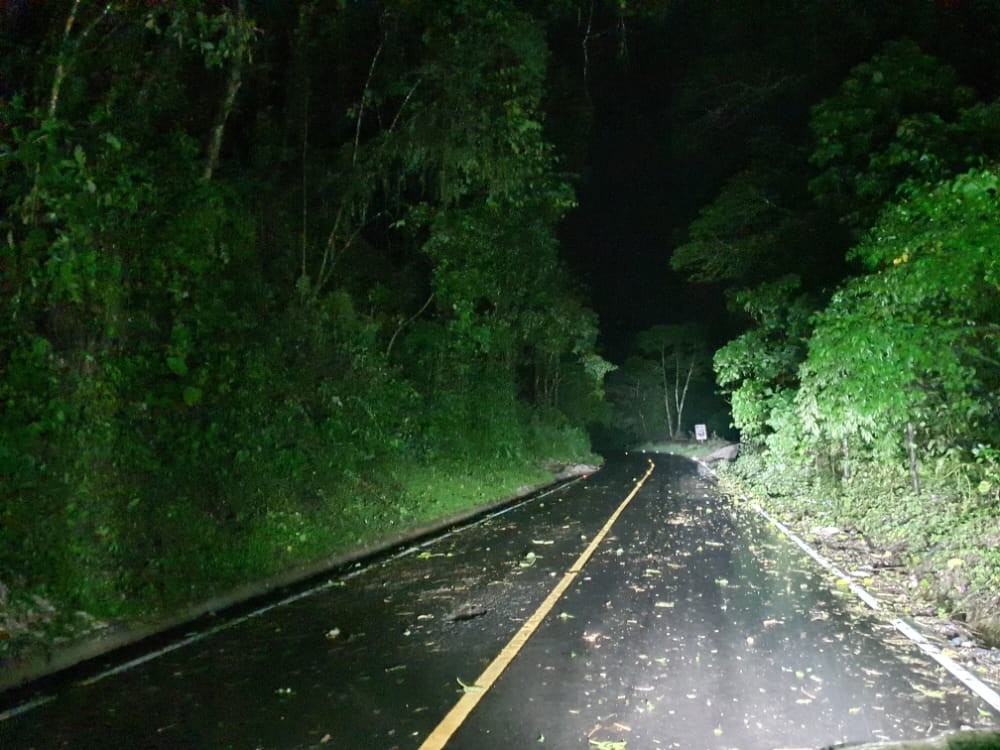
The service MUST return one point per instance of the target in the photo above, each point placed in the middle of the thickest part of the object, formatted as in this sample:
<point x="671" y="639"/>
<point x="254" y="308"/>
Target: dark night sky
<point x="638" y="190"/>
<point x="635" y="196"/>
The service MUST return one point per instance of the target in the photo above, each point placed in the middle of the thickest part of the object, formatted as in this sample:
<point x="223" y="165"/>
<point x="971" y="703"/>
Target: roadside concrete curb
<point x="18" y="673"/>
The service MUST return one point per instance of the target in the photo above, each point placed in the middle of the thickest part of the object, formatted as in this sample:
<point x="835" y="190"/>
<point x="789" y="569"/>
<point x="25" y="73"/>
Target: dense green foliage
<point x="276" y="276"/>
<point x="872" y="401"/>
<point x="759" y="368"/>
<point x="269" y="275"/>
<point x="915" y="339"/>
<point x="909" y="339"/>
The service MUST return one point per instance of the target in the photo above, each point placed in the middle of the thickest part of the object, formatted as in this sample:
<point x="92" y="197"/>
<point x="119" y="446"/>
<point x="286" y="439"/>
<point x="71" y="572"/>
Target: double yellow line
<point x="461" y="710"/>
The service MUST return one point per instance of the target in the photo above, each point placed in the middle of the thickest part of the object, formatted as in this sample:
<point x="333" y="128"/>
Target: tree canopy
<point x="263" y="263"/>
<point x="254" y="253"/>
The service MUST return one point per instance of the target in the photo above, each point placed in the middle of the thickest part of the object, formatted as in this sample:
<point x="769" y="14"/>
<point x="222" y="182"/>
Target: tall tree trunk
<point x="911" y="447"/>
<point x="62" y="66"/>
<point x="304" y="84"/>
<point x="666" y="393"/>
<point x="64" y="59"/>
<point x="680" y="393"/>
<point x="586" y="50"/>
<point x="60" y="74"/>
<point x="232" y="89"/>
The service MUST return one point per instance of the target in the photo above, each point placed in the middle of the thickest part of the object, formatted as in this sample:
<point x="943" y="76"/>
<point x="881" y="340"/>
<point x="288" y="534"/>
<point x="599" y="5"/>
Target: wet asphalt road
<point x="692" y="626"/>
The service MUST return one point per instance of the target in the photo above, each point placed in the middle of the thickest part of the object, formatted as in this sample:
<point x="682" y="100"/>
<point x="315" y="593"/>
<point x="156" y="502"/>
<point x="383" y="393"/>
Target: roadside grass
<point x="204" y="559"/>
<point x="441" y="490"/>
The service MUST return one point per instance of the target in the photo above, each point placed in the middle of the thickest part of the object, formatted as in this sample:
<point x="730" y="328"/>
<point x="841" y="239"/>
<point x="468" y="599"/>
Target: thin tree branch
<point x="586" y="50"/>
<point x="332" y="252"/>
<point x="364" y="99"/>
<point x="623" y="42"/>
<point x="328" y="250"/>
<point x="62" y="67"/>
<point x="402" y="106"/>
<point x="305" y="180"/>
<point x="402" y="325"/>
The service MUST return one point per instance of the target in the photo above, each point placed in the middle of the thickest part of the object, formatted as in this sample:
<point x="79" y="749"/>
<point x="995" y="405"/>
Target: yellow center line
<point x="461" y="710"/>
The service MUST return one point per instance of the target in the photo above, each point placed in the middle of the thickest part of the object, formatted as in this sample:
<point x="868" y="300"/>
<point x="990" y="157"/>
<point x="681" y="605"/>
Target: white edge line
<point x="144" y="658"/>
<point x="195" y="637"/>
<point x="960" y="673"/>
<point x="10" y="713"/>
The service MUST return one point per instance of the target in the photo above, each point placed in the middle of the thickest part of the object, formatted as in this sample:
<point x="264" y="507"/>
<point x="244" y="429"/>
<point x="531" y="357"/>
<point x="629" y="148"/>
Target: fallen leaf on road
<point x="469" y="688"/>
<point x="930" y="693"/>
